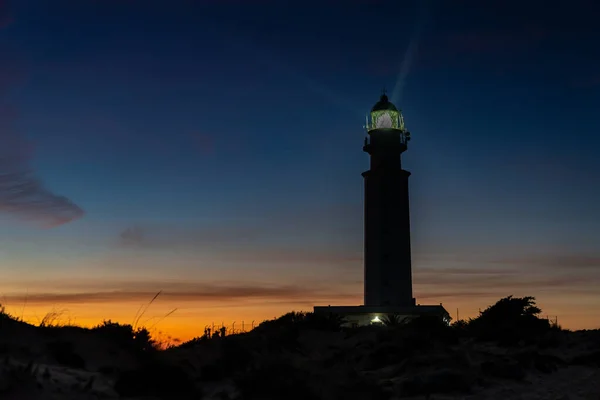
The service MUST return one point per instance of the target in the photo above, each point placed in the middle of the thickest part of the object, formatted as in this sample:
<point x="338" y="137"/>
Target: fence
<point x="553" y="319"/>
<point x="231" y="329"/>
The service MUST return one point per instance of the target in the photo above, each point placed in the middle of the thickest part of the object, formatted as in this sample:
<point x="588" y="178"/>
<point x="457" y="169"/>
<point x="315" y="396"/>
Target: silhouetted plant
<point x="461" y="325"/>
<point x="323" y="321"/>
<point x="425" y="330"/>
<point x="126" y="337"/>
<point x="290" y="320"/>
<point x="392" y="320"/>
<point x="54" y="319"/>
<point x="4" y="316"/>
<point x="283" y="332"/>
<point x="509" y="321"/>
<point x="303" y="320"/>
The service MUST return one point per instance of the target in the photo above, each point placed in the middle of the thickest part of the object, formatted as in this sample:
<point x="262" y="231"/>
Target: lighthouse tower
<point x="387" y="263"/>
<point x="387" y="260"/>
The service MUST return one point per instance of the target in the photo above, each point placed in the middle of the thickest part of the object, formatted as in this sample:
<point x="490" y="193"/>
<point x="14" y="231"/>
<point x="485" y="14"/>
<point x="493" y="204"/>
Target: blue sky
<point x="221" y="141"/>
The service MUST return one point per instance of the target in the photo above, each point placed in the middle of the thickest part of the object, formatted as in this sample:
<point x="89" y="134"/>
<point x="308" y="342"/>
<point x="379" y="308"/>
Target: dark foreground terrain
<point x="505" y="353"/>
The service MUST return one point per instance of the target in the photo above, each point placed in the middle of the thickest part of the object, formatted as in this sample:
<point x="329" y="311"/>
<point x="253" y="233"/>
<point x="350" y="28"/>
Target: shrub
<point x="422" y="331"/>
<point x="137" y="340"/>
<point x="392" y="320"/>
<point x="303" y="320"/>
<point x="509" y="321"/>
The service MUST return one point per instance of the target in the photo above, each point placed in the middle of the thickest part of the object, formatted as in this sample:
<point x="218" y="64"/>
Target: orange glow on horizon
<point x="189" y="321"/>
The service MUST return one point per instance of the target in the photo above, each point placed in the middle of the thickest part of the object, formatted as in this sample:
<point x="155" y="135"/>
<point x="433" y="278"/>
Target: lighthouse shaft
<point x="388" y="272"/>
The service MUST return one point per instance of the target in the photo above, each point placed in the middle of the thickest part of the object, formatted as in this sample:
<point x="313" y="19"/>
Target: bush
<point x="282" y="334"/>
<point x="509" y="321"/>
<point x="303" y="320"/>
<point x="137" y="340"/>
<point x="422" y="332"/>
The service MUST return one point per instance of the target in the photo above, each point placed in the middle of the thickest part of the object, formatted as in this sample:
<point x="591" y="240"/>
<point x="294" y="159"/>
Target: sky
<point x="213" y="150"/>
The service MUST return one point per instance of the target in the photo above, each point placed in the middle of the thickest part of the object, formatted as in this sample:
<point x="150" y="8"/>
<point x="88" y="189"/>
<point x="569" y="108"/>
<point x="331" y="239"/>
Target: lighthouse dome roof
<point x="384" y="104"/>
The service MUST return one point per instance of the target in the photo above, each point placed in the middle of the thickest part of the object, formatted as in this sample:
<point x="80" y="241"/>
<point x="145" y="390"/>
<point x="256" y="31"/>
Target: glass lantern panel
<point x="384" y="119"/>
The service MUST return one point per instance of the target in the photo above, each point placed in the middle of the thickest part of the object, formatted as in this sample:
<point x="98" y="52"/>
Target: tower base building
<point x="387" y="253"/>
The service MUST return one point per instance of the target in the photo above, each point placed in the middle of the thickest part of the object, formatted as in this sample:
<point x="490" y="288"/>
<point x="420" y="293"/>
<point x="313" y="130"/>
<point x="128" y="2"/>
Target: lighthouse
<point x="387" y="259"/>
<point x="387" y="255"/>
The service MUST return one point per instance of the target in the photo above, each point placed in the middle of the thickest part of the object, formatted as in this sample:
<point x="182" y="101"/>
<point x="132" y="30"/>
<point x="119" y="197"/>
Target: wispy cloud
<point x="183" y="291"/>
<point x="21" y="191"/>
<point x="456" y="283"/>
<point x="554" y="262"/>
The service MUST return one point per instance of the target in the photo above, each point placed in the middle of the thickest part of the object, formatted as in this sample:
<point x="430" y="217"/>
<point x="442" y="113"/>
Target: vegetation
<point x="124" y="335"/>
<point x="313" y="356"/>
<point x="509" y="321"/>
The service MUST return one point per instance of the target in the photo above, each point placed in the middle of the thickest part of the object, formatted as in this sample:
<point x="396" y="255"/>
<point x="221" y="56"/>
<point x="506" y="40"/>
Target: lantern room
<point x="384" y="115"/>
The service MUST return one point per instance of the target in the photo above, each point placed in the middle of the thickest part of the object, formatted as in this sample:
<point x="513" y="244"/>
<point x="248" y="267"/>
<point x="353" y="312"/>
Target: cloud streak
<point x="185" y="292"/>
<point x="21" y="192"/>
<point x="465" y="283"/>
<point x="564" y="262"/>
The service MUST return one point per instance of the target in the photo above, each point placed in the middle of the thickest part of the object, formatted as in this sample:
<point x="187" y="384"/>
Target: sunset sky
<point x="213" y="150"/>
